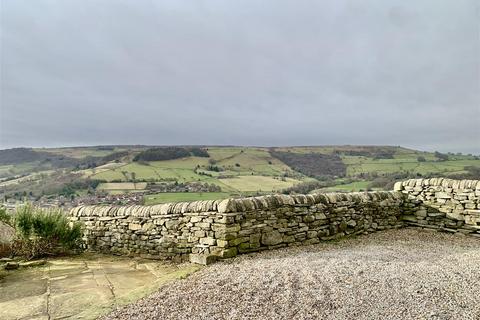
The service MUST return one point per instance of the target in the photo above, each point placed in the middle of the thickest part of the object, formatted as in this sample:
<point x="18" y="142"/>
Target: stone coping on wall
<point x="231" y="205"/>
<point x="441" y="182"/>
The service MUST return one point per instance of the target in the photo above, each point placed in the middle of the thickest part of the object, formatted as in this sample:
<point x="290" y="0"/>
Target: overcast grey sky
<point x="244" y="72"/>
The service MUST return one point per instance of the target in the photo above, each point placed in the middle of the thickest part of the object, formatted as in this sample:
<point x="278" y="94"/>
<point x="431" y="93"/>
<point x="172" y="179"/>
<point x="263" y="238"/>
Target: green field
<point x="258" y="183"/>
<point x="183" y="196"/>
<point x="248" y="169"/>
<point x="236" y="170"/>
<point x="253" y="160"/>
<point x="31" y="177"/>
<point x="244" y="169"/>
<point x="17" y="169"/>
<point x="122" y="186"/>
<point x="357" y="165"/>
<point x="354" y="186"/>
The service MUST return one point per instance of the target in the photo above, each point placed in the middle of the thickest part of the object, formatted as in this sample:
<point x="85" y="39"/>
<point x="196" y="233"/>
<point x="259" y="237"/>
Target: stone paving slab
<point x="82" y="287"/>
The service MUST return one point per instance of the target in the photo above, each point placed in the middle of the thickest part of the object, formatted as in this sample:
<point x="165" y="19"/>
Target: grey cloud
<point x="241" y="72"/>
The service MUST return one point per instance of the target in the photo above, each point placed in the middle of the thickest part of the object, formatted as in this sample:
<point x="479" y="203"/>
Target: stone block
<point x="320" y="216"/>
<point x="234" y="228"/>
<point x="436" y="214"/>
<point x="271" y="238"/>
<point x="309" y="218"/>
<point x="222" y="243"/>
<point x="455" y="215"/>
<point x="229" y="253"/>
<point x="311" y="234"/>
<point x="244" y="247"/>
<point x="351" y="223"/>
<point x="237" y="241"/>
<point x="208" y="241"/>
<point x="171" y="224"/>
<point x="443" y="195"/>
<point x="203" y="259"/>
<point x="203" y="225"/>
<point x="134" y="226"/>
<point x="398" y="186"/>
<point x="148" y="226"/>
<point x="255" y="238"/>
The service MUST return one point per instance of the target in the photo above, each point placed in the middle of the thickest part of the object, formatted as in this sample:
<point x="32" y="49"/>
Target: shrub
<point x="472" y="173"/>
<point x="214" y="168"/>
<point x="5" y="217"/>
<point x="115" y="156"/>
<point x="306" y="187"/>
<point x="441" y="156"/>
<point x="41" y="232"/>
<point x="382" y="182"/>
<point x="421" y="159"/>
<point x="6" y="233"/>
<point x="199" y="152"/>
<point x="384" y="155"/>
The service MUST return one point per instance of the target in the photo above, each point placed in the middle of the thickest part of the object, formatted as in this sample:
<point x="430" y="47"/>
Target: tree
<point x="441" y="156"/>
<point x="421" y="159"/>
<point x="134" y="176"/>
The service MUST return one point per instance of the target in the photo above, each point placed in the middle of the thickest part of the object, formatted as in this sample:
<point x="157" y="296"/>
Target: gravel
<point x="395" y="274"/>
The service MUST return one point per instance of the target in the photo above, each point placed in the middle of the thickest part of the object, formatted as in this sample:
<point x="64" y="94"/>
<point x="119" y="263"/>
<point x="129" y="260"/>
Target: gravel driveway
<point x="396" y="274"/>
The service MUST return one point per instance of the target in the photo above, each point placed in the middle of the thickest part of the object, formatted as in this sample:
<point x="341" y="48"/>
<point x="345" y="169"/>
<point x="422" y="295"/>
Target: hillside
<point x="169" y="173"/>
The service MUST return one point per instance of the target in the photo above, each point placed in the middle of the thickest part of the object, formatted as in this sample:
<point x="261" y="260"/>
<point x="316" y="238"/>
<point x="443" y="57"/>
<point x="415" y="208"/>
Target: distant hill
<point x="21" y="155"/>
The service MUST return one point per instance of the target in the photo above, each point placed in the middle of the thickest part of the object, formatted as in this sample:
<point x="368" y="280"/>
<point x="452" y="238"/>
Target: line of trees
<point x="169" y="153"/>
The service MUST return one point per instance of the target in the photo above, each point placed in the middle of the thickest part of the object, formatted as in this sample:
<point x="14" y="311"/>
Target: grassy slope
<point x="354" y="186"/>
<point x="407" y="162"/>
<point x="254" y="172"/>
<point x="17" y="169"/>
<point x="258" y="183"/>
<point x="122" y="186"/>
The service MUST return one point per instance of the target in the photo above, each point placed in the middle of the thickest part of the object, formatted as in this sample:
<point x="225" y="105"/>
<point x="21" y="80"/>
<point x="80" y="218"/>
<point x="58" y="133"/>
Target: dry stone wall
<point x="309" y="219"/>
<point x="206" y="230"/>
<point x="443" y="204"/>
<point x="158" y="231"/>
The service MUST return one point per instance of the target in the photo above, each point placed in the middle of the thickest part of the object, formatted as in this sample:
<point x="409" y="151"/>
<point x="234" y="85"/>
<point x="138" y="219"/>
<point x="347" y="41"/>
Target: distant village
<point x="68" y="202"/>
<point x="102" y="197"/>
